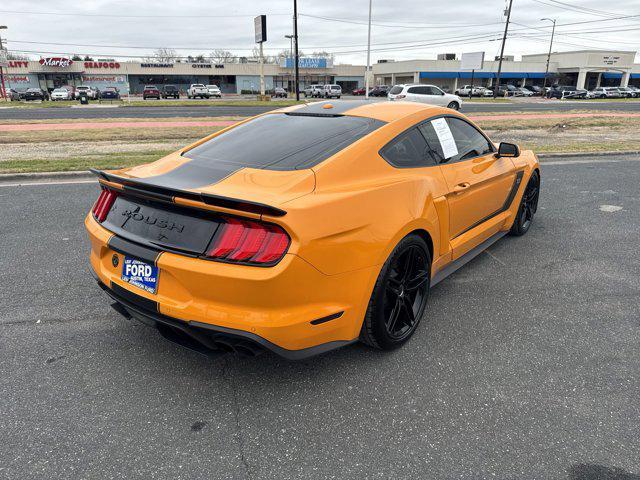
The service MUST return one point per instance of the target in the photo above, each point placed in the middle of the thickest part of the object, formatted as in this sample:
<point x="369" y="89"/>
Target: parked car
<point x="198" y="90"/>
<point x="36" y="94"/>
<point x="525" y="92"/>
<point x="535" y="89"/>
<point x="425" y="94"/>
<point x="279" y="92"/>
<point x="464" y="91"/>
<point x="151" y="91"/>
<point x="626" y="92"/>
<point x="214" y="91"/>
<point x="331" y="91"/>
<point x="635" y="90"/>
<point x="263" y="267"/>
<point x="110" y="93"/>
<point x="486" y="92"/>
<point x="91" y="92"/>
<point x="61" y="94"/>
<point x="566" y="91"/>
<point x="605" y="92"/>
<point x="313" y="91"/>
<point x="358" y="91"/>
<point x="13" y="95"/>
<point x="379" y="91"/>
<point x="170" y="91"/>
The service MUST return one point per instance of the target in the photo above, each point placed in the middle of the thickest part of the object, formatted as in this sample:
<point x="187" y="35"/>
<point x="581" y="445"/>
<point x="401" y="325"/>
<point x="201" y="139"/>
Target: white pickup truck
<point x="198" y="90"/>
<point x="464" y="91"/>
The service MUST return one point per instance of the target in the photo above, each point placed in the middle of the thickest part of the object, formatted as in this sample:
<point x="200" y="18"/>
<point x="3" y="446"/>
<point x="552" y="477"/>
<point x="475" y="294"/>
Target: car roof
<point x="384" y="111"/>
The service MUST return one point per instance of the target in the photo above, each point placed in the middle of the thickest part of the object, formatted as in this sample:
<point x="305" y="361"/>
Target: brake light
<point x="104" y="204"/>
<point x="249" y="241"/>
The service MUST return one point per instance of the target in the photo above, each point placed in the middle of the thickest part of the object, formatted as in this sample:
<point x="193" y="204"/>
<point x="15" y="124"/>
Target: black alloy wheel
<point x="453" y="106"/>
<point x="528" y="206"/>
<point x="400" y="295"/>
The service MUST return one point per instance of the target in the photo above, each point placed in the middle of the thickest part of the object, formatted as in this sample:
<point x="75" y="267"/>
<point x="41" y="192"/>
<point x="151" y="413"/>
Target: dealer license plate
<point x="140" y="274"/>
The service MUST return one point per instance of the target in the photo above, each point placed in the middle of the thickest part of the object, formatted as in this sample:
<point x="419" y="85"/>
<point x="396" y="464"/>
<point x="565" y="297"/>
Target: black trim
<point x="147" y="310"/>
<point x="505" y="206"/>
<point x="126" y="247"/>
<point x="141" y="187"/>
<point x="328" y="318"/>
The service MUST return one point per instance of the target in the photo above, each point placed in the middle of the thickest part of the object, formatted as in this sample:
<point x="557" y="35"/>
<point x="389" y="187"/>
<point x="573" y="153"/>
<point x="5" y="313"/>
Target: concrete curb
<point x="86" y="175"/>
<point x="46" y="176"/>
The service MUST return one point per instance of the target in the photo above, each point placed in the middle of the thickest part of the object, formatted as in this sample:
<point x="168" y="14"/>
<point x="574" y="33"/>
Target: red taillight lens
<point x="104" y="204"/>
<point x="248" y="241"/>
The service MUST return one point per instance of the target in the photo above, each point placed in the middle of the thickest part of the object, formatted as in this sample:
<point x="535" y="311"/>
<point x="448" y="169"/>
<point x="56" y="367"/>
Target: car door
<point x="480" y="184"/>
<point x="434" y="96"/>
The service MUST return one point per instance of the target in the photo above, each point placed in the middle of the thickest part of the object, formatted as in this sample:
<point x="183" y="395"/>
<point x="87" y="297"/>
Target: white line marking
<point x="28" y="184"/>
<point x="610" y="208"/>
<point x="592" y="160"/>
<point x="495" y="258"/>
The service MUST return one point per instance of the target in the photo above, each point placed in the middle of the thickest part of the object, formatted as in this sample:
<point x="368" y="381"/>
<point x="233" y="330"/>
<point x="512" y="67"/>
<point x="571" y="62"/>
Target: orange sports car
<point x="307" y="228"/>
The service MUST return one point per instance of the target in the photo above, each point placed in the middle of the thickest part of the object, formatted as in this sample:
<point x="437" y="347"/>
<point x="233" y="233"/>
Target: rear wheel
<point x="528" y="206"/>
<point x="399" y="296"/>
<point x="454" y="106"/>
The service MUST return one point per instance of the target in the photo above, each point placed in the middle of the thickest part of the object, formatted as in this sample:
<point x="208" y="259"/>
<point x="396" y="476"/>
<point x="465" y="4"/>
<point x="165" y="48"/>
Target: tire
<point x="528" y="206"/>
<point x="393" y="315"/>
<point x="338" y="97"/>
<point x="454" y="106"/>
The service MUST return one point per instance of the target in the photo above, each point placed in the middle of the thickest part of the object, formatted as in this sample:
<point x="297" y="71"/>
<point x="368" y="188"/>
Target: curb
<point x="588" y="154"/>
<point x="86" y="175"/>
<point x="46" y="176"/>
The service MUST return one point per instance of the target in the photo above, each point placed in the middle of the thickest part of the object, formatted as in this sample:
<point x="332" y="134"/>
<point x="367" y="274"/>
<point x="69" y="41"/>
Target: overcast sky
<point x="402" y="29"/>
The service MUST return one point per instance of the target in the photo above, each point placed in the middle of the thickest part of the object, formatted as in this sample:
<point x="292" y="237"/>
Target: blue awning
<point x="612" y="76"/>
<point x="476" y="75"/>
<point x="438" y="74"/>
<point x="635" y="75"/>
<point x="535" y="75"/>
<point x="513" y="75"/>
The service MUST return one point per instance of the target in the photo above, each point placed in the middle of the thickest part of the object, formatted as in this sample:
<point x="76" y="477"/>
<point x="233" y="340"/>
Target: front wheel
<point x="528" y="206"/>
<point x="400" y="295"/>
<point x="454" y="106"/>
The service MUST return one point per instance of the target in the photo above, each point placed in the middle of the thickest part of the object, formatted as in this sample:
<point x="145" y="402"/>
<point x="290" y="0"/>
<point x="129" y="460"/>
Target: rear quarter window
<point x="395" y="90"/>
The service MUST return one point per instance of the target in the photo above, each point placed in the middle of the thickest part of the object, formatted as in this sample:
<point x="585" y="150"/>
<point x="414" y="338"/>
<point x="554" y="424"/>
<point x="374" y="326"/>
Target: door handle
<point x="461" y="187"/>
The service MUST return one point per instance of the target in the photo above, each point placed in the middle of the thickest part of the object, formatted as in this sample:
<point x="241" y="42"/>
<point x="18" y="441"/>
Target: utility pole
<point x="297" y="59"/>
<point x="4" y="90"/>
<point x="504" y="39"/>
<point x="290" y="37"/>
<point x="366" y="74"/>
<point x="546" y="72"/>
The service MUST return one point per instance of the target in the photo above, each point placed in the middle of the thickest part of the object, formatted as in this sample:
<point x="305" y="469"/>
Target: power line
<point x="403" y="25"/>
<point x="108" y="15"/>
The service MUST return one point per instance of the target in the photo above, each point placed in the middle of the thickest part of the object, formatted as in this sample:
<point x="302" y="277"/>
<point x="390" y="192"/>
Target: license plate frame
<point x="140" y="274"/>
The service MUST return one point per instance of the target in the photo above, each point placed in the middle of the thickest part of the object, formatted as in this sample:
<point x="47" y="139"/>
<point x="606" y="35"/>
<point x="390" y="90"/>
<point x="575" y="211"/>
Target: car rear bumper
<point x="291" y="308"/>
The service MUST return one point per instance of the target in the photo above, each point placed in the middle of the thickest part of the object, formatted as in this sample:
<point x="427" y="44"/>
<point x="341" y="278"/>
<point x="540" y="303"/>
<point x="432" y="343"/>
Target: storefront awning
<point x="481" y="75"/>
<point x="612" y="76"/>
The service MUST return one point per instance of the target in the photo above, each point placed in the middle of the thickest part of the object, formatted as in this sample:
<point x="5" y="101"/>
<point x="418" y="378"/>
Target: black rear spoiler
<point x="166" y="194"/>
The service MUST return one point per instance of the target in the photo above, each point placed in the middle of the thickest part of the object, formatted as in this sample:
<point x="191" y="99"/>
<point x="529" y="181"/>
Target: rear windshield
<point x="395" y="90"/>
<point x="282" y="141"/>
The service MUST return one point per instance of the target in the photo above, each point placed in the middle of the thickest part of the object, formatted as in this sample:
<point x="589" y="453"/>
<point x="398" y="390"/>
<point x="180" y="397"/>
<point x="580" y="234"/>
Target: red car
<point x="151" y="91"/>
<point x="358" y="91"/>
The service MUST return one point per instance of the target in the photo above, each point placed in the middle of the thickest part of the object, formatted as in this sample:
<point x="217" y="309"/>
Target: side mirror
<point x="508" y="150"/>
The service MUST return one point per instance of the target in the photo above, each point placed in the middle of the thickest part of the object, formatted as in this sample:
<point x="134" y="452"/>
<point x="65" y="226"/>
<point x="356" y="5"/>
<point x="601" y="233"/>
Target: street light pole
<point x="366" y="74"/>
<point x="546" y="73"/>
<point x="504" y="39"/>
<point x="297" y="60"/>
<point x="4" y="90"/>
<point x="290" y="37"/>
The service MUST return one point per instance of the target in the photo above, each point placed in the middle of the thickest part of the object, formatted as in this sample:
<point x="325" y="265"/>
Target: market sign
<point x="61" y="62"/>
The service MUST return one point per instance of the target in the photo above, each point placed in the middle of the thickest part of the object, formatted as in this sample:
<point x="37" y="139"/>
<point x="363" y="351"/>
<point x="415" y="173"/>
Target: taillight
<point x="104" y="204"/>
<point x="249" y="241"/>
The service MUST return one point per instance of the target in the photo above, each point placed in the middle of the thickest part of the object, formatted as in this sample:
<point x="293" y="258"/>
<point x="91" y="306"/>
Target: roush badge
<point x="61" y="62"/>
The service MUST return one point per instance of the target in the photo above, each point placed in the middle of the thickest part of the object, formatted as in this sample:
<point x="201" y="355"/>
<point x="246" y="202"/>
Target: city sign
<point x="61" y="62"/>
<point x="260" y="24"/>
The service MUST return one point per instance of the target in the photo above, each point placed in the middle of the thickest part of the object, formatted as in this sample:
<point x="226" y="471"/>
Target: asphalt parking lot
<point x="526" y="365"/>
<point x="206" y="108"/>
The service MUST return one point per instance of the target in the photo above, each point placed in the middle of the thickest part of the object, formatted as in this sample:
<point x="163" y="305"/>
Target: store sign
<point x="306" y="62"/>
<point x="201" y="65"/>
<point x="156" y="65"/>
<point x="260" y="26"/>
<point x="18" y="64"/>
<point x="103" y="78"/>
<point x="610" y="60"/>
<point x="95" y="65"/>
<point x="18" y="79"/>
<point x="61" y="62"/>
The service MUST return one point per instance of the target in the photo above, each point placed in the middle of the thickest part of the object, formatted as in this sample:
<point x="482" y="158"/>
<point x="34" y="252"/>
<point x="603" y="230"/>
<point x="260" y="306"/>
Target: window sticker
<point x="447" y="143"/>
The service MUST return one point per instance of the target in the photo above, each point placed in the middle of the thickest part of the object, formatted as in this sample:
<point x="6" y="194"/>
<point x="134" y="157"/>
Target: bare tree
<point x="196" y="59"/>
<point x="162" y="55"/>
<point x="323" y="54"/>
<point x="221" y="56"/>
<point x="16" y="56"/>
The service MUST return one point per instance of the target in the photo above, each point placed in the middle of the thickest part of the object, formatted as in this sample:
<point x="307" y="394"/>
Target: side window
<point x="433" y="91"/>
<point x="469" y="141"/>
<point x="409" y="150"/>
<point x="414" y="90"/>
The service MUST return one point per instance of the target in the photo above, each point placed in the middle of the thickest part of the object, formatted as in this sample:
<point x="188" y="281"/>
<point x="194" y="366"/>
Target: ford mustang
<point x="307" y="228"/>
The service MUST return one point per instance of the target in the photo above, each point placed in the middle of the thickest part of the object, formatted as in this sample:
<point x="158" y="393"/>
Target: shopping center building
<point x="52" y="72"/>
<point x="584" y="69"/>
